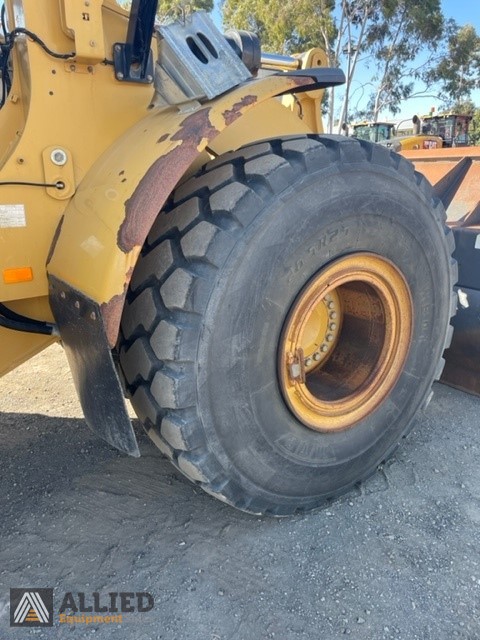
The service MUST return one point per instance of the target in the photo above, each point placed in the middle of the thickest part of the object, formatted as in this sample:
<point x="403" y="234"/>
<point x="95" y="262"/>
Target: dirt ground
<point x="398" y="558"/>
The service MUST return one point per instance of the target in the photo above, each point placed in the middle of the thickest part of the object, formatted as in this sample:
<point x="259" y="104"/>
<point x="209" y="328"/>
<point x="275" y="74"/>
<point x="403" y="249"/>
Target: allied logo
<point x="31" y="607"/>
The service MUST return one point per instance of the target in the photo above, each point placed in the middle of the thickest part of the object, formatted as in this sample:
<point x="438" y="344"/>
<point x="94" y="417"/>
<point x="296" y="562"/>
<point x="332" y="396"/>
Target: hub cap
<point x="345" y="342"/>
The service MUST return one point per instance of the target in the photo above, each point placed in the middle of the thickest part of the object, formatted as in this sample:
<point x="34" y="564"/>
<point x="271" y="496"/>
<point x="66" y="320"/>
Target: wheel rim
<point x="345" y="342"/>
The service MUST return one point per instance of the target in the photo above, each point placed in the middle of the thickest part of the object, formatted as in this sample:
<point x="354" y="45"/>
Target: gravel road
<point x="398" y="558"/>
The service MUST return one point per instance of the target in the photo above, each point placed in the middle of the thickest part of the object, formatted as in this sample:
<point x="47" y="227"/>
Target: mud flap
<point x="94" y="374"/>
<point x="462" y="359"/>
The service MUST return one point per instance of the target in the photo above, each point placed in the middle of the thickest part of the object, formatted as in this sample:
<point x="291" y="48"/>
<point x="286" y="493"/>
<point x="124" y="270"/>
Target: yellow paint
<point x="110" y="139"/>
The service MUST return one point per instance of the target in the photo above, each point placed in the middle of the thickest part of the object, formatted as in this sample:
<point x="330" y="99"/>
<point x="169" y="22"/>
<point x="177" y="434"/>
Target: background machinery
<point x="274" y="302"/>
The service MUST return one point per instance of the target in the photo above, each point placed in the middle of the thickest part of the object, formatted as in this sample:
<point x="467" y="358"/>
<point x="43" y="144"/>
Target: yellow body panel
<point x="121" y="159"/>
<point x="420" y="141"/>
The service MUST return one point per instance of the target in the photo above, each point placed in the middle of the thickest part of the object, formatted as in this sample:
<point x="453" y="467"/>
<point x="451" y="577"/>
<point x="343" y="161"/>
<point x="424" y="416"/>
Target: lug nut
<point x="308" y="362"/>
<point x="329" y="337"/>
<point x="331" y="304"/>
<point x="316" y="356"/>
<point x="333" y="315"/>
<point x="333" y="326"/>
<point x="323" y="348"/>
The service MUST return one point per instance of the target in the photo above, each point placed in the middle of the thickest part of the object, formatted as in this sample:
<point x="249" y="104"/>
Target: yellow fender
<point x="107" y="221"/>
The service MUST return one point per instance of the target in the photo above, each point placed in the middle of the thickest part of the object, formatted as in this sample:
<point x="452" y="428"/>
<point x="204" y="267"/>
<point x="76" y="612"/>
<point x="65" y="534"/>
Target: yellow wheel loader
<point x="274" y="302"/>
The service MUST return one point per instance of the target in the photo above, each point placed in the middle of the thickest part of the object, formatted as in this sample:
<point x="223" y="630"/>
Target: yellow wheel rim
<point x="345" y="342"/>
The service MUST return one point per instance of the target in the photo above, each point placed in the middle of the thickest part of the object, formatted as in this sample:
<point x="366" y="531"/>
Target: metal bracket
<point x="133" y="60"/>
<point x="128" y="71"/>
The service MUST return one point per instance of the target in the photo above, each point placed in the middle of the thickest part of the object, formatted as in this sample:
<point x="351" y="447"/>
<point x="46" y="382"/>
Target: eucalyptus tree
<point x="458" y="71"/>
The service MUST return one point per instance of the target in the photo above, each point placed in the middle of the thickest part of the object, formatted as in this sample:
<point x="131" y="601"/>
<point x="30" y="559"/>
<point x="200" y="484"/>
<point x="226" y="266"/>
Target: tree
<point x="388" y="33"/>
<point x="458" y="71"/>
<point x="283" y="26"/>
<point x="169" y="8"/>
<point x="474" y="130"/>
<point x="402" y="39"/>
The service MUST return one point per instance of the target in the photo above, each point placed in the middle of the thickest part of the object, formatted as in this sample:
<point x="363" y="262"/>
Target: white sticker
<point x="477" y="241"/>
<point x="12" y="215"/>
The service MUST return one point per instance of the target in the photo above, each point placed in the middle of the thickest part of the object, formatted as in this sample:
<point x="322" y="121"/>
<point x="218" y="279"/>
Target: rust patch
<point x="230" y="115"/>
<point x="160" y="179"/>
<point x="195" y="128"/>
<point x="112" y="312"/>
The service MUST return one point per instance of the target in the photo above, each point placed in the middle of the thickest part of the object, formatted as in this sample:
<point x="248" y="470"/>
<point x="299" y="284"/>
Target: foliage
<point x="475" y="128"/>
<point x="399" y="32"/>
<point x="170" y="8"/>
<point x="462" y="107"/>
<point x="459" y="69"/>
<point x="283" y="26"/>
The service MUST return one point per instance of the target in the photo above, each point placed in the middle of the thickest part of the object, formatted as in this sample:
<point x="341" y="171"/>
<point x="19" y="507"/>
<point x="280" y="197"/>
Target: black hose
<point x="11" y="320"/>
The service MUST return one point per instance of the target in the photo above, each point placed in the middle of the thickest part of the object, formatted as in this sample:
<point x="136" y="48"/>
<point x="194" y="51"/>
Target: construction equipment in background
<point x="452" y="128"/>
<point x="274" y="302"/>
<point x="373" y="131"/>
<point x="433" y="132"/>
<point x="429" y="132"/>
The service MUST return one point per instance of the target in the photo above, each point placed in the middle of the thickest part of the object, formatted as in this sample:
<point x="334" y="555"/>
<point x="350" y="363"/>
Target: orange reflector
<point x="19" y="274"/>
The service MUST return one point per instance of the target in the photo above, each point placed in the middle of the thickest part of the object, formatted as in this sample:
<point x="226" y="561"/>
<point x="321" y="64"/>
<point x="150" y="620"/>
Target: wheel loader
<point x="273" y="301"/>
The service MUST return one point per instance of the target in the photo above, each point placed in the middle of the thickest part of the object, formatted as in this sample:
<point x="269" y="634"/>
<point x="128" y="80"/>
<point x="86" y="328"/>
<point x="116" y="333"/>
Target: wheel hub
<point x="345" y="342"/>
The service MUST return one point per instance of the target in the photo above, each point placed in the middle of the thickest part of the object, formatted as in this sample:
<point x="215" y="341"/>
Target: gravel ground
<point x="398" y="558"/>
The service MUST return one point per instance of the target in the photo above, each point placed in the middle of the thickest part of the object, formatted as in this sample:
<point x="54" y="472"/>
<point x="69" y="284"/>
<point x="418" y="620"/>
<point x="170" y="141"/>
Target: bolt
<point x="333" y="315"/>
<point x="316" y="356"/>
<point x="149" y="79"/>
<point x="90" y="69"/>
<point x="93" y="43"/>
<point x="93" y="315"/>
<point x="294" y="370"/>
<point x="328" y="297"/>
<point x="331" y="305"/>
<point x="58" y="157"/>
<point x="72" y="67"/>
<point x="333" y="326"/>
<point x="120" y="75"/>
<point x="62" y="294"/>
<point x="323" y="348"/>
<point x="308" y="362"/>
<point x="77" y="304"/>
<point x="329" y="337"/>
<point x="117" y="48"/>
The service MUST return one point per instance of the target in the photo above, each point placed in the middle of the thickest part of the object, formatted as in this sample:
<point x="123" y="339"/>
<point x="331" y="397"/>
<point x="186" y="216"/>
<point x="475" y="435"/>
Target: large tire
<point x="211" y="302"/>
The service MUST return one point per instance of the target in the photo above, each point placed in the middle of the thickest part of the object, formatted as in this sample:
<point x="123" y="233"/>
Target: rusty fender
<point x="107" y="221"/>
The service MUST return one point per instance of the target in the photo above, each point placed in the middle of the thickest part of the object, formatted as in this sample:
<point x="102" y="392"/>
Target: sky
<point x="463" y="11"/>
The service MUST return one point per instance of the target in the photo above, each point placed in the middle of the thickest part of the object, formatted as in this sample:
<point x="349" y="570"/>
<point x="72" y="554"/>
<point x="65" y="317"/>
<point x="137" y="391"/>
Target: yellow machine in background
<point x="429" y="132"/>
<point x="274" y="302"/>
<point x="373" y="131"/>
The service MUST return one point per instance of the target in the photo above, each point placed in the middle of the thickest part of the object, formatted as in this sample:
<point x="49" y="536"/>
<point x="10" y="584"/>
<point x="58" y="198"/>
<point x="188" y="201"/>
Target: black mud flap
<point x="85" y="342"/>
<point x="462" y="359"/>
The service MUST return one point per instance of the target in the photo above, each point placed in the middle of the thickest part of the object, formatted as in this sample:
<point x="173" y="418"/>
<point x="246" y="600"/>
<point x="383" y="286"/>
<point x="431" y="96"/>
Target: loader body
<point x="274" y="302"/>
<point x="89" y="158"/>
